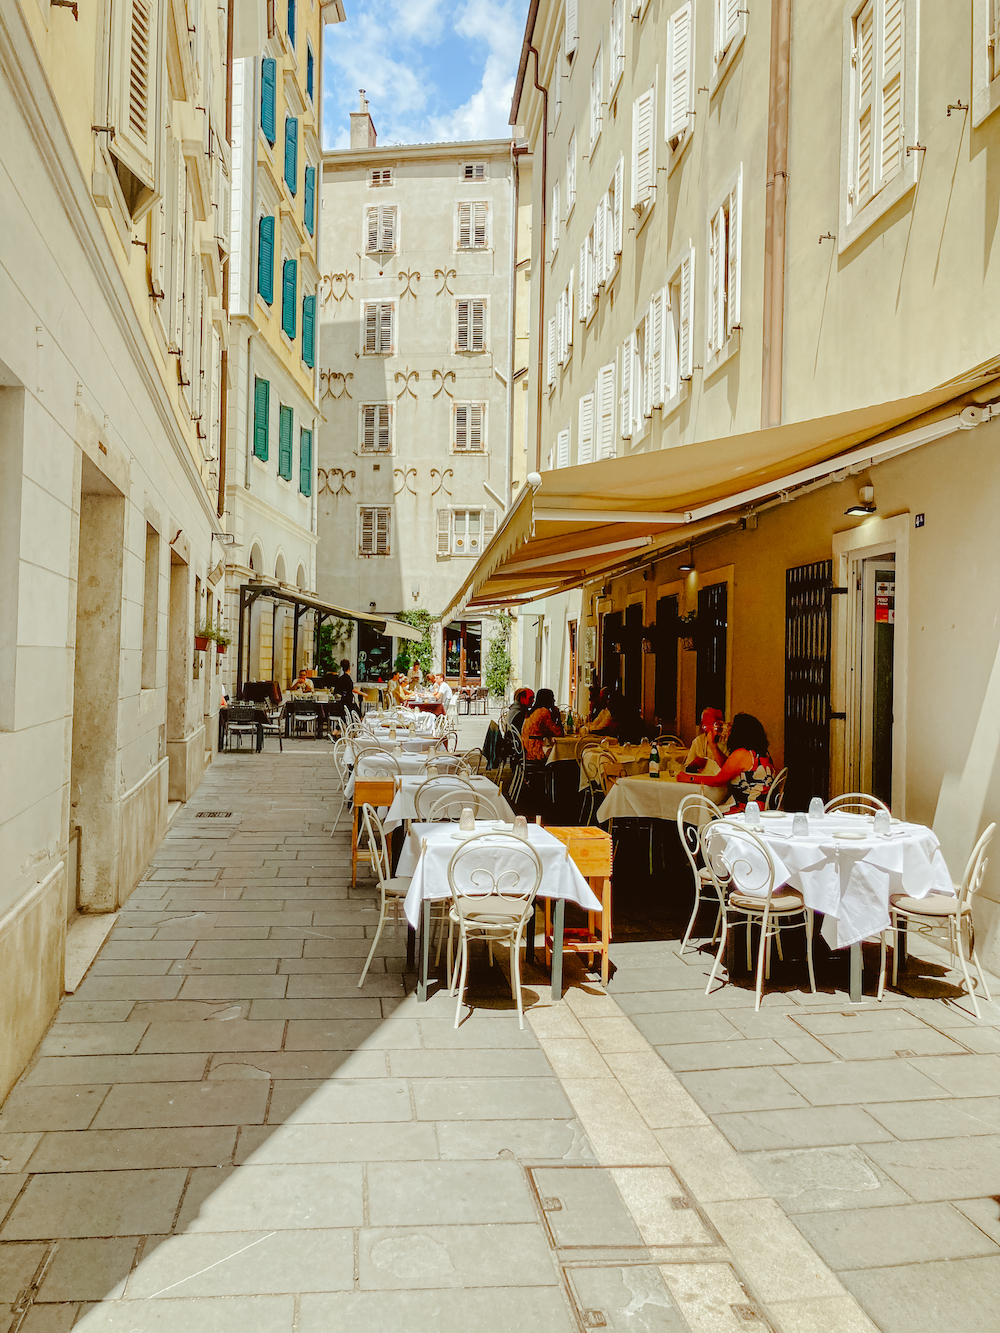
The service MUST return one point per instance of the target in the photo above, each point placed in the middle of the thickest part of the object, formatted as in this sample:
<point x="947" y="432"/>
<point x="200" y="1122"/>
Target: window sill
<point x="671" y="404"/>
<point x="678" y="152"/>
<point x="724" y="354"/>
<point x="642" y="217"/>
<point x="261" y="462"/>
<point x="985" y="100"/>
<point x="852" y="228"/>
<point x="727" y="60"/>
<point x="468" y="351"/>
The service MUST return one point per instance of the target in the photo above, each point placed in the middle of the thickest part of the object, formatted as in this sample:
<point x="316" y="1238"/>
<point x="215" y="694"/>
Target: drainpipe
<point x="774" y="225"/>
<point x="224" y="358"/>
<point x="511" y="319"/>
<point x="541" y="264"/>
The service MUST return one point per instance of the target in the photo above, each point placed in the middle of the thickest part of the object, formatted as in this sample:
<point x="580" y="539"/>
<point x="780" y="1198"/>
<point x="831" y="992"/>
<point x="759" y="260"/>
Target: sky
<point x="431" y="69"/>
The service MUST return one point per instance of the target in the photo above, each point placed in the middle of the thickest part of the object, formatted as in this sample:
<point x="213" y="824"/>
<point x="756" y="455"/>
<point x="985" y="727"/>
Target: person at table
<point x="443" y="693"/>
<point x="542" y="723"/>
<point x="709" y="743"/>
<point x="603" y="719"/>
<point x="302" y="682"/>
<point x="747" y="771"/>
<point x="345" y="690"/>
<point x="517" y="714"/>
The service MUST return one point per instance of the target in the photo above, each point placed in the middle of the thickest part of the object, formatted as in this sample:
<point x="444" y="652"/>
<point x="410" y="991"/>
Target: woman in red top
<point x="544" y="721"/>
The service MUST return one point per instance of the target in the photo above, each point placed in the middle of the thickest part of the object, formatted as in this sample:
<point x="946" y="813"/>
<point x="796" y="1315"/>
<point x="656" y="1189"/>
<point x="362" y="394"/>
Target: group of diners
<point x="401" y="688"/>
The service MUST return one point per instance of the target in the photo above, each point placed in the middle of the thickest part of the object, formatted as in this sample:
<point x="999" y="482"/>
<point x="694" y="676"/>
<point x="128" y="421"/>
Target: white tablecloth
<point x="404" y="805"/>
<point x="651" y="798"/>
<point x="849" y="880"/>
<point x="410" y="765"/>
<point x="560" y="877"/>
<point x="420" y="745"/>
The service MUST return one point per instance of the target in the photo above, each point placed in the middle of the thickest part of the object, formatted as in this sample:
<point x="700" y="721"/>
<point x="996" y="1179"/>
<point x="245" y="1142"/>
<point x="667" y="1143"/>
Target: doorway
<point x="463" y="651"/>
<point x="875" y="633"/>
<point x="572" y="627"/>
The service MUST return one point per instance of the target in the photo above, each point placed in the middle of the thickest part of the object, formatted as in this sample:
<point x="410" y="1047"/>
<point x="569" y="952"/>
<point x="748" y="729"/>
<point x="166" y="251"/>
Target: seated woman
<point x="517" y="714"/>
<point x="603" y="720"/>
<point x="543" y="721"/>
<point x="747" y="771"/>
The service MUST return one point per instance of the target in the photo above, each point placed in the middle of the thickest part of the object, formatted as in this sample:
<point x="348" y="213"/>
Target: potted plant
<point x="202" y="638"/>
<point x="222" y="641"/>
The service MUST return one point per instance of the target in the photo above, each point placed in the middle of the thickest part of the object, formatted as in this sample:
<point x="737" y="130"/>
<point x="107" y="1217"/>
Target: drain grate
<point x="214" y="814"/>
<point x="747" y="1313"/>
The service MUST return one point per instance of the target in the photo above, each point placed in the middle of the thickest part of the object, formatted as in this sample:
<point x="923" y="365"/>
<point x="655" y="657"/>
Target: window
<point x="469" y="428"/>
<point x="265" y="259"/>
<point x="285" y="427"/>
<point x="289" y="296"/>
<point x="374" y="529"/>
<point x="586" y="304"/>
<point x="730" y="29"/>
<point x="985" y="59"/>
<point x="605" y="443"/>
<point x="380" y="328"/>
<point x="133" y="109"/>
<point x="643" y="150"/>
<point x="473" y="226"/>
<point x="613" y="221"/>
<point x="376" y="428"/>
<point x="596" y="94"/>
<point x="309" y="330"/>
<point x="464" y="531"/>
<point x="261" y="414"/>
<point x="564" y="321"/>
<point x="631" y="397"/>
<point x="150" y="608"/>
<point x="291" y="153"/>
<point x="474" y="171"/>
<point x="305" y="461"/>
<point x="379" y="177"/>
<point x="680" y="74"/>
<point x="550" y="352"/>
<point x="310" y="72"/>
<point x="470" y="325"/>
<point x="652" y="352"/>
<point x="555" y="218"/>
<point x="291" y="23"/>
<point x="380" y="229"/>
<point x="677" y="327"/>
<point x="617" y="41"/>
<point x="309" y="200"/>
<point x="268" y="91"/>
<point x="558" y="75"/>
<point x="562" y="447"/>
<point x="572" y="28"/>
<point x="724" y="269"/>
<point x="585" y="432"/>
<point x="571" y="174"/>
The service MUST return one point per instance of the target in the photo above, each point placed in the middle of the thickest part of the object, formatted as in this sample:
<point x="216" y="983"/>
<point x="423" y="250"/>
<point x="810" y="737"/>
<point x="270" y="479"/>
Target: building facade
<point x="112" y="261"/>
<point x="417" y="379"/>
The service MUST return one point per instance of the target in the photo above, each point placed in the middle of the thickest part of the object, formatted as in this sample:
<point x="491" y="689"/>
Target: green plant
<point x="334" y="636"/>
<point x="498" y="664"/>
<point x="423" y="652"/>
<point x="403" y="660"/>
<point x="210" y="632"/>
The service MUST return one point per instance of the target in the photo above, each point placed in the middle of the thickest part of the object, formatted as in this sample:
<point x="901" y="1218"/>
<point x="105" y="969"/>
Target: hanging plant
<point x="687" y="630"/>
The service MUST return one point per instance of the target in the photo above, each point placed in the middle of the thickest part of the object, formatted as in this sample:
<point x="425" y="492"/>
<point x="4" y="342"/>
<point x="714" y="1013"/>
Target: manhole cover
<point x="214" y="814"/>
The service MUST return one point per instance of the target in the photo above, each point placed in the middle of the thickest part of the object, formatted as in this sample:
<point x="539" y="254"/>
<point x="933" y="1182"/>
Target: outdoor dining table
<point x="845" y="870"/>
<point x="644" y="797"/>
<point x="411" y="744"/>
<point x="410" y="765"/>
<point x="426" y="855"/>
<point x="404" y="807"/>
<point x="431" y="706"/>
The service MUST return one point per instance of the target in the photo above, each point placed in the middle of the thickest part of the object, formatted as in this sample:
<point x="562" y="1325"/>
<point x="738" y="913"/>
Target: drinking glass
<point x="882" y="823"/>
<point x="521" y="827"/>
<point x="467" y="822"/>
<point x="432" y="770"/>
<point x="800" y="824"/>
<point x="816" y="807"/>
<point x="752" y="814"/>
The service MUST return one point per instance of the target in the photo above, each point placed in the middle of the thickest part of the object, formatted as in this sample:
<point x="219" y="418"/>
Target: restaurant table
<point x="403" y="805"/>
<point x="431" y="706"/>
<point x="410" y="765"/>
<point x="423" y="722"/>
<point x="426" y="855"/>
<point x="846" y="871"/>
<point x="634" y="759"/>
<point x="652" y="798"/>
<point x="420" y="745"/>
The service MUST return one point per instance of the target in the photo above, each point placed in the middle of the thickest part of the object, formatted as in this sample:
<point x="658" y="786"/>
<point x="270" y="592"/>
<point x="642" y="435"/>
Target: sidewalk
<point x="222" y="1132"/>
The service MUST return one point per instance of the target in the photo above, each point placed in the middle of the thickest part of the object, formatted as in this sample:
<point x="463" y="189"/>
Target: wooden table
<point x="367" y="791"/>
<point x="591" y="852"/>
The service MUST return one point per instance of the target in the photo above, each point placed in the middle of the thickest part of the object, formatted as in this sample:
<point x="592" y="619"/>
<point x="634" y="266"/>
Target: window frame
<point x="375" y="510"/>
<point x="483" y="540"/>
<point x="379" y="350"/>
<point x="468" y="405"/>
<point x="596" y="107"/>
<point x="470" y="350"/>
<point x="483" y="167"/>
<point x="724" y="53"/>
<point x="472" y="205"/>
<point x="382" y="210"/>
<point x="727" y="347"/>
<point x="375" y="452"/>
<point x="381" y="184"/>
<point x="677" y="359"/>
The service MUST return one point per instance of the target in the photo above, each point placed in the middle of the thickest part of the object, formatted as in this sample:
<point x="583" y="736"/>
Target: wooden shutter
<point x="617" y="39"/>
<point x="371" y="230"/>
<point x="478" y="325"/>
<point x="643" y="161"/>
<point x="386" y="328"/>
<point x="462" y="325"/>
<point x="265" y="259"/>
<point x="550" y="358"/>
<point x="461" y="428"/>
<point x="555" y="217"/>
<point x="371" y="326"/>
<point x="305" y="461"/>
<point x="734" y="276"/>
<point x="596" y="92"/>
<point x="628" y="367"/>
<point x="891" y="90"/>
<point x="568" y="297"/>
<point x="289" y="287"/>
<point x="444" y="532"/>
<point x="654" y="352"/>
<point x="291" y="153"/>
<point x="572" y="28"/>
<point x="309" y="330"/>
<point x="671" y="312"/>
<point x="585" y="437"/>
<point x="387" y="229"/>
<point x="601" y="246"/>
<point x="310" y="73"/>
<point x="480" y="218"/>
<point x="366" y="542"/>
<point x="684" y="331"/>
<point x="469" y="428"/>
<point x="732" y="16"/>
<point x="368" y="415"/>
<point x="268" y="93"/>
<point x="679" y="70"/>
<point x="383" y="441"/>
<point x="606" y="443"/>
<point x="464" y="226"/>
<point x="489" y="526"/>
<point x="717" y="291"/>
<point x="864" y="73"/>
<point x="285" y="423"/>
<point x="261" y="412"/>
<point x="562" y="448"/>
<point x="584" y="294"/>
<point x="309" y="200"/>
<point x="619" y="196"/>
<point x="383" y="518"/>
<point x="135" y="58"/>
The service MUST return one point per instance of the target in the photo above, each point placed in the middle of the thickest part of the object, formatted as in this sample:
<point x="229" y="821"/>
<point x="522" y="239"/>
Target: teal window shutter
<point x="291" y="22"/>
<point x="261" y="409"/>
<point x="310" y="72"/>
<point x="265" y="259"/>
<point x="289" y="287"/>
<point x="306" y="462"/>
<point x="309" y="330"/>
<point x="291" y="152"/>
<point x="285" y="442"/>
<point x="309" y="200"/>
<point x="268" y="86"/>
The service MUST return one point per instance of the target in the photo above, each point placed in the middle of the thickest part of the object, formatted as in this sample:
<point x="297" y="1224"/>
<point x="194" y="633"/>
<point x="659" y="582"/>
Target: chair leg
<point x="762" y="950"/>
<point x="894" y="927"/>
<point x="979" y="967"/>
<point x="464" y="948"/>
<point x="694" y="917"/>
<point x="718" y="956"/>
<point x="515" y="967"/>
<point x="809" y="952"/>
<point x="371" y="951"/>
<point x="957" y="926"/>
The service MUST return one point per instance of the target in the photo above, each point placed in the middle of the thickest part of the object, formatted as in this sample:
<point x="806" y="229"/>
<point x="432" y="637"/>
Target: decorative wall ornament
<point x="403" y="475"/>
<point x="407" y="387"/>
<point x="336" y="285"/>
<point x="334" y="481"/>
<point x="408" y="277"/>
<point x="445" y="274"/>
<point x="330" y="377"/>
<point x="444" y="376"/>
<point x="442" y="482"/>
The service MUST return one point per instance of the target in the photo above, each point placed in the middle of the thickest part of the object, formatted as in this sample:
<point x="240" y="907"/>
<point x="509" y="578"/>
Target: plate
<point x="773" y="814"/>
<point x="461" y="837"/>
<point x="852" y="834"/>
<point x="499" y="826"/>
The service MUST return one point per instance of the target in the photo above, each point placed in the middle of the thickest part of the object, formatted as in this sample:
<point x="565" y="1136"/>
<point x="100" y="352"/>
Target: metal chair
<point x="776" y="791"/>
<point x="391" y="888"/>
<point x="304" y="721"/>
<point x="855" y="803"/>
<point x="241" y="720"/>
<point x="273" y="724"/>
<point x="376" y="764"/>
<point x="517" y="763"/>
<point x="693" y="812"/>
<point x="450" y="805"/>
<point x="429" y="792"/>
<point x="341" y="765"/>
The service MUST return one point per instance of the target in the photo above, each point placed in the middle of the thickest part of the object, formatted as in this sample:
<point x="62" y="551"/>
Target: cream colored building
<point x="112" y="267"/>
<point x="417" y="380"/>
<point x="767" y="462"/>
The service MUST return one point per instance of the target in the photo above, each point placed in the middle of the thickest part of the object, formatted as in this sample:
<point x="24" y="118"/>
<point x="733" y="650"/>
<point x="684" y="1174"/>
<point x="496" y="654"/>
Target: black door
<point x="633" y="657"/>
<point x="713" y="624"/>
<point x="611" y="663"/>
<point x="807" y="682"/>
<point x="665" y="639"/>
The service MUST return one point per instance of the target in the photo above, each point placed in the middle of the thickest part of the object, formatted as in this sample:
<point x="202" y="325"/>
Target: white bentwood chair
<point x="693" y="812"/>
<point x="743" y="874"/>
<point x="431" y="792"/>
<point x="939" y="912"/>
<point x="450" y="806"/>
<point x="776" y="791"/>
<point x="855" y="803"/>
<point x="340" y="763"/>
<point x="392" y="889"/>
<point x="493" y="878"/>
<point x="376" y="764"/>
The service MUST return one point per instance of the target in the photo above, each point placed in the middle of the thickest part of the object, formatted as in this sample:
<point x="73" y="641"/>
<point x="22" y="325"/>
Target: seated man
<point x="708" y="747"/>
<point x="518" y="712"/>
<point x="443" y="692"/>
<point x="303" y="682"/>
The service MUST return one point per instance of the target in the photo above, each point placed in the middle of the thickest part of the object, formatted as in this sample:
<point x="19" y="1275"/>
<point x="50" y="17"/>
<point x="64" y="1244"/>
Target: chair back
<point x="975" y="869"/>
<point x="589" y="756"/>
<point x="241" y="715"/>
<point x="668" y="739"/>
<point x="377" y="764"/>
<point x="693" y="813"/>
<point x="739" y="861"/>
<point x="375" y="834"/>
<point x="340" y="761"/>
<point x="474" y="760"/>
<point x="451" y="804"/>
<point x="776" y="792"/>
<point x="855" y="803"/>
<point x="608" y="770"/>
<point x="494" y="876"/>
<point x="366" y="744"/>
<point x="428" y="794"/>
<point x="448" y="764"/>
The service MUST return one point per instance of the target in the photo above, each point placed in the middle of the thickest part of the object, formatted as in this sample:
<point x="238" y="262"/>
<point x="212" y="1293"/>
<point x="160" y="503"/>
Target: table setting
<point x="645" y="797"/>
<point x="404" y="803"/>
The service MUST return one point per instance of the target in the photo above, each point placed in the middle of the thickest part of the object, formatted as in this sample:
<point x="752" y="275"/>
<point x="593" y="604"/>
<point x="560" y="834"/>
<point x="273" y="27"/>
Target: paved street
<point x="222" y="1132"/>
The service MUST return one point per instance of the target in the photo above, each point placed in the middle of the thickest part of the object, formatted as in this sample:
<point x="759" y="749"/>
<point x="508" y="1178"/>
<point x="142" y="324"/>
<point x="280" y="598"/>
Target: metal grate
<point x="807" y="682"/>
<point x="214" y="814"/>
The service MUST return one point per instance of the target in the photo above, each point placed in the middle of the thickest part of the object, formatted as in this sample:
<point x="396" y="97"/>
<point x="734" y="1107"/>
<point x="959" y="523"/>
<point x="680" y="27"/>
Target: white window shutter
<point x="382" y="519"/>
<point x="654" y="351"/>
<point x="371" y="326"/>
<point x="684" y="332"/>
<point x="562" y="448"/>
<point x="600" y="249"/>
<point x="619" y="188"/>
<point x="864" y="75"/>
<point x="550" y="361"/>
<point x="627" y="386"/>
<point x="596" y="97"/>
<point x="372" y="228"/>
<point x="478" y="330"/>
<point x="489" y="526"/>
<point x="643" y="160"/>
<point x="444" y="532"/>
<point x="617" y="39"/>
<point x="462" y="325"/>
<point x="735" y="255"/>
<point x="386" y="329"/>
<point x="388" y="230"/>
<point x="135" y="59"/>
<point x="732" y="14"/>
<point x="385" y="428"/>
<point x="585" y="437"/>
<point x="717" y="282"/>
<point x="461" y="428"/>
<point x="679" y="71"/>
<point x="480" y="223"/>
<point x="634" y="8"/>
<point x="568" y="311"/>
<point x="571" y="172"/>
<point x="366" y="543"/>
<point x="670" y="344"/>
<point x="572" y="28"/>
<point x="607" y="446"/>
<point x="464" y="226"/>
<point x="891" y="91"/>
<point x="583" y="293"/>
<point x="476" y="437"/>
<point x="555" y="217"/>
<point x="368" y="413"/>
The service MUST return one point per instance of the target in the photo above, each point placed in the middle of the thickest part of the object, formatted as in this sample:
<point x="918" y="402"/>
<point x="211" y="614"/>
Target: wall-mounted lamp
<point x="687" y="564"/>
<point x="415" y="590"/>
<point x="372" y="605"/>
<point x="647" y="644"/>
<point x="865" y="504"/>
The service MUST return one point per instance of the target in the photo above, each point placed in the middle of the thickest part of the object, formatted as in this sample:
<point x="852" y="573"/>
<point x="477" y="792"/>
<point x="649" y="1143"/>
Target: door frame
<point x="638" y="599"/>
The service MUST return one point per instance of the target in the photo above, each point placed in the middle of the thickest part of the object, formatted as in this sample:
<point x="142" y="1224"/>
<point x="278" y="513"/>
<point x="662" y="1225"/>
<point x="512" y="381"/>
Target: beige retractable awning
<point x="587" y="521"/>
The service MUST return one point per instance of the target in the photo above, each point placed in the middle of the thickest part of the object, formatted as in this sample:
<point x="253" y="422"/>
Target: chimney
<point x="362" y="129"/>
